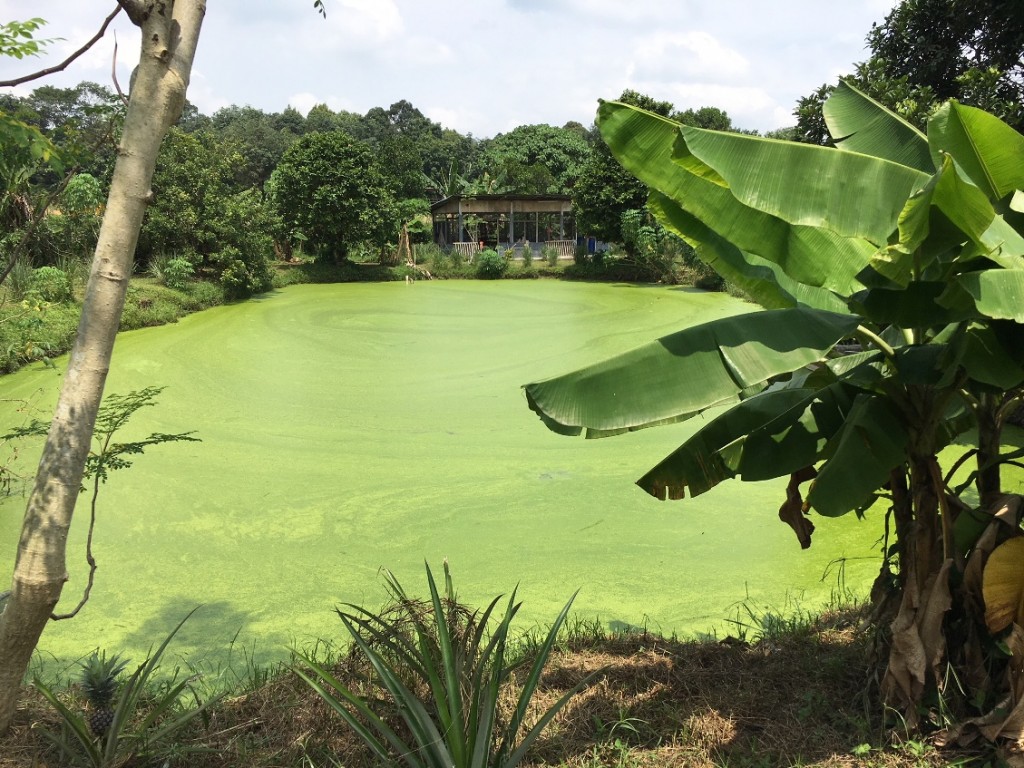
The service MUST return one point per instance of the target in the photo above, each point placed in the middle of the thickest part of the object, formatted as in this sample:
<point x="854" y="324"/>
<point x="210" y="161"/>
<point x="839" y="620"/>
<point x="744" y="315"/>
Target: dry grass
<point x="802" y="699"/>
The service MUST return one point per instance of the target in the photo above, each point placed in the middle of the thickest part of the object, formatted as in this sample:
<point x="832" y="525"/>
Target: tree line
<point x="231" y="187"/>
<point x="235" y="188"/>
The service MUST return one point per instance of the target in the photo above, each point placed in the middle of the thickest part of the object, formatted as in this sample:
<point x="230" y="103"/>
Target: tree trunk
<point x="170" y="31"/>
<point x="918" y="642"/>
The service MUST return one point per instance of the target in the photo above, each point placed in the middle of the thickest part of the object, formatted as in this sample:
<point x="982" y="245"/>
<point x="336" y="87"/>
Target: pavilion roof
<point x="467" y="204"/>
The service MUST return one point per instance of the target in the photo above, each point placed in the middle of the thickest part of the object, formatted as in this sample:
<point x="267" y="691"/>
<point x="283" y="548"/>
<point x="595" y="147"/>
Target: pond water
<point x="346" y="428"/>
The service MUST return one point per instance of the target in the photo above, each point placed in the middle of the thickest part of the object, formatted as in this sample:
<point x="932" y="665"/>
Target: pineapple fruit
<point x="99" y="684"/>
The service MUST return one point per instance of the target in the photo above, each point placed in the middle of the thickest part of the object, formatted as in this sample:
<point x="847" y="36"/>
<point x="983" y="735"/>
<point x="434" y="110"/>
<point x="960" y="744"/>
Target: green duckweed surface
<point x="346" y="428"/>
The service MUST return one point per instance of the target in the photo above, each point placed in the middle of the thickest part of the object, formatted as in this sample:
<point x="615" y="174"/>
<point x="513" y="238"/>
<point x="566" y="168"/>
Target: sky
<point x="483" y="67"/>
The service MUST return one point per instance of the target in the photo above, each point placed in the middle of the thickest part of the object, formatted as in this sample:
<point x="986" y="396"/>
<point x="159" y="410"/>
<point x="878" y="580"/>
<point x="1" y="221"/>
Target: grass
<point x="32" y="331"/>
<point x="800" y="696"/>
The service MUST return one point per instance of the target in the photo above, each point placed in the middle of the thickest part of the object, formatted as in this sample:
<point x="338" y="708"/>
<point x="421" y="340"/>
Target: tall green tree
<point x="712" y="118"/>
<point x="200" y="212"/>
<point x="259" y="139"/>
<point x="912" y="245"/>
<point x="83" y="121"/>
<point x="536" y="159"/>
<point x="330" y="188"/>
<point x="928" y="51"/>
<point x="193" y="176"/>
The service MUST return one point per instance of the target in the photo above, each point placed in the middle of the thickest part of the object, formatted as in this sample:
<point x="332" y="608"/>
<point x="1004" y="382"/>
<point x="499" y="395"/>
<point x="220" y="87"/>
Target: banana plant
<point x="890" y="272"/>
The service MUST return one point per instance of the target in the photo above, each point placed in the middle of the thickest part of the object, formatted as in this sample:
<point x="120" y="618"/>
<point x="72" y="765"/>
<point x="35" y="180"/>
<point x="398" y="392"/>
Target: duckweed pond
<point x="349" y="428"/>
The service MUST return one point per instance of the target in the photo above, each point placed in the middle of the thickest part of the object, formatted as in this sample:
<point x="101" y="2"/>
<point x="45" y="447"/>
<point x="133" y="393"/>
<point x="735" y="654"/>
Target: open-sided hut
<point x="504" y="221"/>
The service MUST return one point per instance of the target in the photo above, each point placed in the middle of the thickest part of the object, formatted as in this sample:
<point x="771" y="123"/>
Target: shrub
<point x="241" y="276"/>
<point x="527" y="256"/>
<point x="177" y="272"/>
<point x="143" y="722"/>
<point x="438" y="261"/>
<point x="490" y="265"/>
<point x="446" y="670"/>
<point x="550" y="255"/>
<point x="51" y="284"/>
<point x="19" y="282"/>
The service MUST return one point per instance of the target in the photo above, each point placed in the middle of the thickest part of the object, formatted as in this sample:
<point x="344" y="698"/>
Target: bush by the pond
<point x="490" y="265"/>
<point x="51" y="284"/>
<point x="242" y="275"/>
<point x="34" y="330"/>
<point x="177" y="273"/>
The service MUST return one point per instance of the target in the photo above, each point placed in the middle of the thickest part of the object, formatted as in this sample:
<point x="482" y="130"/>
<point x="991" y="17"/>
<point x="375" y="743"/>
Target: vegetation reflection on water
<point x="347" y="428"/>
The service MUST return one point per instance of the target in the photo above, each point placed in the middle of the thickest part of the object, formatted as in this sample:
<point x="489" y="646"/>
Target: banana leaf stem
<point x="878" y="341"/>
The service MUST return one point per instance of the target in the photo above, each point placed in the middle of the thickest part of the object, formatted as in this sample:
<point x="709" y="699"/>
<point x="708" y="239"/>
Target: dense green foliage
<point x="928" y="51"/>
<point x="536" y="159"/>
<point x="330" y="189"/>
<point x="197" y="214"/>
<point x="923" y="52"/>
<point x="490" y="265"/>
<point x="605" y="190"/>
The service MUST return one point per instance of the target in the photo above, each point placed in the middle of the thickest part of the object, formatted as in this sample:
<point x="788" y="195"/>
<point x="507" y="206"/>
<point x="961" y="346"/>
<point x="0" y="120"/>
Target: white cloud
<point x="488" y="65"/>
<point x="303" y="102"/>
<point x="783" y="116"/>
<point x="378" y="20"/>
<point x="464" y="120"/>
<point x="734" y="99"/>
<point x="690" y="55"/>
<point x="202" y="93"/>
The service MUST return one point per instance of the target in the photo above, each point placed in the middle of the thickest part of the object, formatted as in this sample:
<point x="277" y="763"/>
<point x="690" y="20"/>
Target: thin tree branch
<point x="96" y="479"/>
<point x="88" y="558"/>
<point x="63" y="65"/>
<point x="113" y="74"/>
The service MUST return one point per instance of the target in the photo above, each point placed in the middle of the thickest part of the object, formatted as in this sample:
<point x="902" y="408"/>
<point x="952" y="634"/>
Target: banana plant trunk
<point x="917" y="646"/>
<point x="170" y="32"/>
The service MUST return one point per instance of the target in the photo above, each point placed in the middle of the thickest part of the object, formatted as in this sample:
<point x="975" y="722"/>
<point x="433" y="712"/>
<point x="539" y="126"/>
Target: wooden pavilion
<point x="503" y="221"/>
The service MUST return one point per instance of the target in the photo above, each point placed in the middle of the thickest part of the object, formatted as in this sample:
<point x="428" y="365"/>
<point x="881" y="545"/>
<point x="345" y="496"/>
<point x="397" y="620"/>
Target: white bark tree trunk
<point x="170" y="31"/>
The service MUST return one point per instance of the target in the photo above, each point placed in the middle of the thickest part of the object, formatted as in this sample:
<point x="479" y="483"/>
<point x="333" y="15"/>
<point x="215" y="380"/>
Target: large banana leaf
<point x="762" y="280"/>
<point x="686" y="372"/>
<point x="773" y="434"/>
<point x="645" y="144"/>
<point x="870" y="445"/>
<point x="989" y="151"/>
<point x="997" y="293"/>
<point x="948" y="211"/>
<point x="994" y="358"/>
<point x="798" y="437"/>
<point x="963" y="204"/>
<point x="858" y="123"/>
<point x="913" y="307"/>
<point x="699" y="464"/>
<point x="853" y="195"/>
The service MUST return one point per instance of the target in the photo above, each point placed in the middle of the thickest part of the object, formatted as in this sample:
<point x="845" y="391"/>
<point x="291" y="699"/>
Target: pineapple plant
<point x="100" y="684"/>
